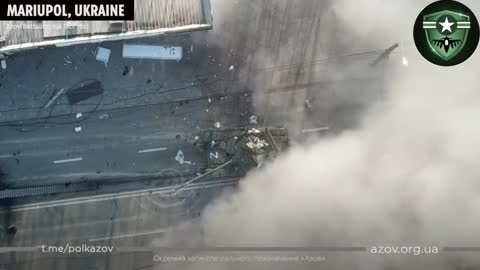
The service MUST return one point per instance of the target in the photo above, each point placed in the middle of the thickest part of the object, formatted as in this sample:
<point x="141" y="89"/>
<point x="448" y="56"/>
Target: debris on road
<point x="78" y="115"/>
<point x="253" y="119"/>
<point x="104" y="116"/>
<point x="84" y="91"/>
<point x="54" y="99"/>
<point x="253" y="131"/>
<point x="308" y="105"/>
<point x="67" y="60"/>
<point x="180" y="158"/>
<point x="209" y="100"/>
<point x="4" y="64"/>
<point x="136" y="124"/>
<point x="103" y="55"/>
<point x="78" y="129"/>
<point x="218" y="125"/>
<point x="315" y="129"/>
<point x="231" y="68"/>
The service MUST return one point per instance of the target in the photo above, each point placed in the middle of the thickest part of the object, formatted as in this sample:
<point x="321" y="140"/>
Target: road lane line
<point x="152" y="150"/>
<point x="126" y="235"/>
<point x="67" y="160"/>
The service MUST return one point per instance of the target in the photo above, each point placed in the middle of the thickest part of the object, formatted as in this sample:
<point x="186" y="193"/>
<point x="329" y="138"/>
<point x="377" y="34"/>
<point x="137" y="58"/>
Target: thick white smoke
<point x="408" y="176"/>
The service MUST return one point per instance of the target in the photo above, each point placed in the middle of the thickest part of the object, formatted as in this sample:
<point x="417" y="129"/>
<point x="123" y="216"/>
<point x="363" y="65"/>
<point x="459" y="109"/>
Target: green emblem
<point x="446" y="32"/>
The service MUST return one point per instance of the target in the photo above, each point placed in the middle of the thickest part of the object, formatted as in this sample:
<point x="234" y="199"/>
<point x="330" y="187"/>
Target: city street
<point x="277" y="59"/>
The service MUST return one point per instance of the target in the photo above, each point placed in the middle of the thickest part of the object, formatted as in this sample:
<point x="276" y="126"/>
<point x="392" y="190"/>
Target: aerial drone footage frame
<point x="254" y="134"/>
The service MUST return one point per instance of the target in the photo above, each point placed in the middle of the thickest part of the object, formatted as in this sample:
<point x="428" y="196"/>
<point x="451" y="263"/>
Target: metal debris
<point x="180" y="158"/>
<point x="308" y="105"/>
<point x="253" y="119"/>
<point x="256" y="143"/>
<point x="253" y="131"/>
<point x="104" y="116"/>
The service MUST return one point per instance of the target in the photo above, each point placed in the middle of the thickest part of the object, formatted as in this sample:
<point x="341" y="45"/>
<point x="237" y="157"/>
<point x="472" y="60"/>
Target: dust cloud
<point x="408" y="176"/>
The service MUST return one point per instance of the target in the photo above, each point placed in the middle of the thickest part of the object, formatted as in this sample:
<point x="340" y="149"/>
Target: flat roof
<point x="152" y="17"/>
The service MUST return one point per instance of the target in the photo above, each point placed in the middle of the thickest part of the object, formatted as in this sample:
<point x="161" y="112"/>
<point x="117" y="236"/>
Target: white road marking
<point x="127" y="235"/>
<point x="152" y="150"/>
<point x="67" y="160"/>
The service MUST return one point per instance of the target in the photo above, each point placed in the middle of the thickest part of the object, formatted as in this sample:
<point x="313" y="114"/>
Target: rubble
<point x="253" y="119"/>
<point x="180" y="158"/>
<point x="104" y="116"/>
<point x="256" y="143"/>
<point x="253" y="131"/>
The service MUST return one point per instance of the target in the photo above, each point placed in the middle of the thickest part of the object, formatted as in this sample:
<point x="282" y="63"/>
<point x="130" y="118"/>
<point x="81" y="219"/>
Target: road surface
<point x="131" y="142"/>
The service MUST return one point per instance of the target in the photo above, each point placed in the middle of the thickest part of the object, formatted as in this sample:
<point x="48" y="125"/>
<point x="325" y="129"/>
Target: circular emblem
<point x="446" y="33"/>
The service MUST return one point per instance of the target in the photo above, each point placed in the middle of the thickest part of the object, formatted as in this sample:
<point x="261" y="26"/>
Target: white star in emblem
<point x="446" y="25"/>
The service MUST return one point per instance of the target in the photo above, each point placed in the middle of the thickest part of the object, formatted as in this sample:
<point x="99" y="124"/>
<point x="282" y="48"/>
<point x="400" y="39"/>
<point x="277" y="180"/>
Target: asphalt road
<point x="132" y="142"/>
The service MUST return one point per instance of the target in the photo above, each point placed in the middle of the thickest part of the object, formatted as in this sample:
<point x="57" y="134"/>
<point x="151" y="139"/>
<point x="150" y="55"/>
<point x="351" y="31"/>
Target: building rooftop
<point x="152" y="17"/>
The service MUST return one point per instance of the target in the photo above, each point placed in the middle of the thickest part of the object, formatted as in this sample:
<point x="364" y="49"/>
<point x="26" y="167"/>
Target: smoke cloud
<point x="407" y="176"/>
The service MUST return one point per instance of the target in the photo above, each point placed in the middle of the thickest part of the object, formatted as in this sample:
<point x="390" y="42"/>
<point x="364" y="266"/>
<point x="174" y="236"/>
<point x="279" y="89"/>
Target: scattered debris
<point x="54" y="99"/>
<point x="78" y="115"/>
<point x="78" y="129"/>
<point x="180" y="158"/>
<point x="307" y="103"/>
<point x="84" y="91"/>
<point x="253" y="119"/>
<point x="209" y="100"/>
<point x="217" y="125"/>
<point x="136" y="125"/>
<point x="126" y="70"/>
<point x="103" y="55"/>
<point x="256" y="143"/>
<point x="104" y="116"/>
<point x="231" y="68"/>
<point x="253" y="131"/>
<point x="4" y="64"/>
<point x="315" y="129"/>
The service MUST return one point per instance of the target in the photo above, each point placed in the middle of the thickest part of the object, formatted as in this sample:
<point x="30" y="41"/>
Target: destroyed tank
<point x="243" y="148"/>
